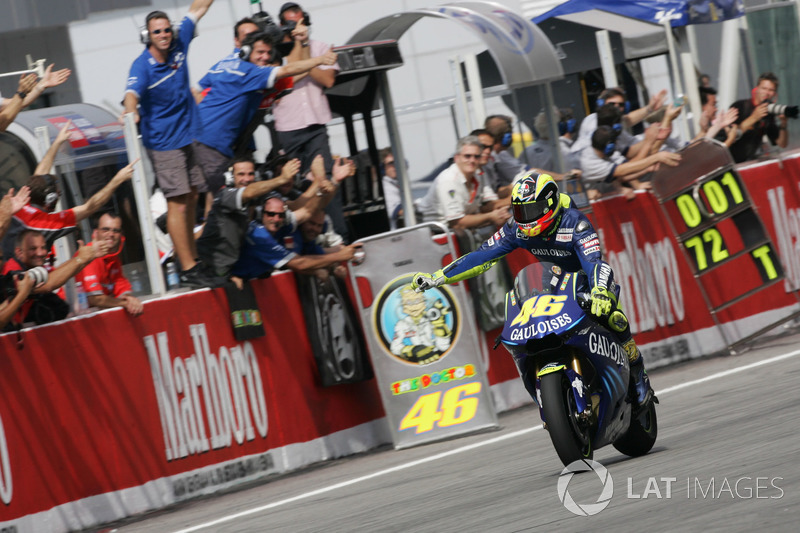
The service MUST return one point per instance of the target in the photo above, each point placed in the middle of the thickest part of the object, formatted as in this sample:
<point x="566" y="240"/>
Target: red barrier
<point x="155" y="396"/>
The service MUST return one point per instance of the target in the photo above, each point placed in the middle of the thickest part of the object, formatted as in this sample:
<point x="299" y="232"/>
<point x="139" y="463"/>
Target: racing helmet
<point x="535" y="202"/>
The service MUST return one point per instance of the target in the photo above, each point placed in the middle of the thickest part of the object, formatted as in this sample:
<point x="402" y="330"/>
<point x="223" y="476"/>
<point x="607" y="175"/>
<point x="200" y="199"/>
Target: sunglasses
<point x="487" y="146"/>
<point x="110" y="230"/>
<point x="165" y="30"/>
<point x="470" y="156"/>
<point x="281" y="214"/>
<point x="389" y="163"/>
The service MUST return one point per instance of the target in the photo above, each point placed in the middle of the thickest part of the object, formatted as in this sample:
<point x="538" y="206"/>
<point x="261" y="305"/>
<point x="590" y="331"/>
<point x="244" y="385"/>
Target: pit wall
<point x="106" y="416"/>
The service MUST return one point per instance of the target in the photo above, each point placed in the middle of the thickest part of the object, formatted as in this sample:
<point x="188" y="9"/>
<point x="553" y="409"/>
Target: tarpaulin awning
<point x="639" y="22"/>
<point x="678" y="12"/>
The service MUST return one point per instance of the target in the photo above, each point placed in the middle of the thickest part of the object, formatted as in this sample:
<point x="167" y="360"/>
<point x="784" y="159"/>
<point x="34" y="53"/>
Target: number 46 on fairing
<point x="442" y="409"/>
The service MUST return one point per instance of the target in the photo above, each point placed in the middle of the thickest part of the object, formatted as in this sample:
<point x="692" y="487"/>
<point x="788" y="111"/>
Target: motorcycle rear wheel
<point x="641" y="434"/>
<point x="570" y="439"/>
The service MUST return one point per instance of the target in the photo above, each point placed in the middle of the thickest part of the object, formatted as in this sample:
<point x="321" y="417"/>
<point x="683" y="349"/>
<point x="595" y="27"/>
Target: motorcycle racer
<point x="547" y="224"/>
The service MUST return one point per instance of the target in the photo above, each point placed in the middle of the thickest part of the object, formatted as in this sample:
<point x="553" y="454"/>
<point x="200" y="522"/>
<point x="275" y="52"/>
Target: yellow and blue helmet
<point x="536" y="203"/>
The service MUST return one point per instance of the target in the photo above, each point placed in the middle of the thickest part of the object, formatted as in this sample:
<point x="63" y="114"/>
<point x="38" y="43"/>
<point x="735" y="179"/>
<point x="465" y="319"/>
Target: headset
<point x="144" y="34"/>
<point x="229" y="179"/>
<point x="566" y="126"/>
<point x="247" y="46"/>
<point x="613" y="91"/>
<point x="608" y="135"/>
<point x="601" y="102"/>
<point x="290" y="5"/>
<point x="612" y="144"/>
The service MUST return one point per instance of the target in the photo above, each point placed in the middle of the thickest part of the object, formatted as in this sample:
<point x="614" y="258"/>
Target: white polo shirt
<point x="452" y="196"/>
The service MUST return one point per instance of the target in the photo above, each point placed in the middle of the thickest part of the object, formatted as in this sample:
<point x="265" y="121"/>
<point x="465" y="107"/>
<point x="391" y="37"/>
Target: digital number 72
<point x="425" y="414"/>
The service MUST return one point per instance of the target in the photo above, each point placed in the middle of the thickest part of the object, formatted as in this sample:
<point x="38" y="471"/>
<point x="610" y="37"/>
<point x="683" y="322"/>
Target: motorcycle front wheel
<point x="570" y="438"/>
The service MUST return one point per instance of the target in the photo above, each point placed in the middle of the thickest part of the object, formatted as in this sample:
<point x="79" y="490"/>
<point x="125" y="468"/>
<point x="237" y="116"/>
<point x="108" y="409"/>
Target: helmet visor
<point x="531" y="211"/>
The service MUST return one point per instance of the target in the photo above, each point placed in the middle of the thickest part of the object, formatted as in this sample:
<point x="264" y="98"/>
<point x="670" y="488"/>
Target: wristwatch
<point x="22" y="94"/>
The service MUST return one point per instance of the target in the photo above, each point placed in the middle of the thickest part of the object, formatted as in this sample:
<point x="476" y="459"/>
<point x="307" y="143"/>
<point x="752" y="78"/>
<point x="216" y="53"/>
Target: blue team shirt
<point x="167" y="108"/>
<point x="263" y="252"/>
<point x="235" y="94"/>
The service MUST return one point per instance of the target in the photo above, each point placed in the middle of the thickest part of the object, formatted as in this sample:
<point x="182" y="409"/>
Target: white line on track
<point x="442" y="455"/>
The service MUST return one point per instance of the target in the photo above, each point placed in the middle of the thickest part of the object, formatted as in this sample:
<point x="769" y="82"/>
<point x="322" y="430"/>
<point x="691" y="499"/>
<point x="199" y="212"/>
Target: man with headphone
<point x="159" y="97"/>
<point x="505" y="166"/>
<point x="605" y="169"/>
<point x="617" y="97"/>
<point x="540" y="153"/>
<point x="230" y="214"/>
<point x="237" y="85"/>
<point x="301" y="117"/>
<point x="42" y="305"/>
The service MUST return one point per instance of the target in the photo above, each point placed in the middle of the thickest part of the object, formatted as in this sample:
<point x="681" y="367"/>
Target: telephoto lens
<point x="790" y="111"/>
<point x="38" y="274"/>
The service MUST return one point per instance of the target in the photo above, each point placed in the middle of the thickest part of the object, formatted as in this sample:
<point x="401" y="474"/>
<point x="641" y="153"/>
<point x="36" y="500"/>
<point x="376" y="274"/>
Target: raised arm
<point x="50" y="79"/>
<point x="309" y="263"/>
<point x="14" y="105"/>
<point x="102" y="196"/>
<point x="64" y="271"/>
<point x="10" y="204"/>
<point x="260" y="188"/>
<point x="638" y="115"/>
<point x="46" y="164"/>
<point x="199" y="8"/>
<point x="303" y="66"/>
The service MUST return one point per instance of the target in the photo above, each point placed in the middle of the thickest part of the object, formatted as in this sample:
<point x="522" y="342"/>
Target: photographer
<point x="755" y="119"/>
<point x="16" y="288"/>
<point x="43" y="306"/>
<point x="301" y="117"/>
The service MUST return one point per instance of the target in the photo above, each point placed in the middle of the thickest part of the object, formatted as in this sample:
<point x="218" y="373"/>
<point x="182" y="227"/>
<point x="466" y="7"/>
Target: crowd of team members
<point x="199" y="145"/>
<point x="199" y="141"/>
<point x="471" y="190"/>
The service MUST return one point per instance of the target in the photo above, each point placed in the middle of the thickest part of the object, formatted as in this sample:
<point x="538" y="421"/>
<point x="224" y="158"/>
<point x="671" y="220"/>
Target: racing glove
<point x="421" y="281"/>
<point x="601" y="301"/>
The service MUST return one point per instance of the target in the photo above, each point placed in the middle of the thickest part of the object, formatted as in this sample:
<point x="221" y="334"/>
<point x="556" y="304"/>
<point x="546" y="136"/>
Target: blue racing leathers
<point x="572" y="244"/>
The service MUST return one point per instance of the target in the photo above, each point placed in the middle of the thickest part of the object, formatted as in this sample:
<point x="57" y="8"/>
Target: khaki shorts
<point x="177" y="171"/>
<point x="214" y="164"/>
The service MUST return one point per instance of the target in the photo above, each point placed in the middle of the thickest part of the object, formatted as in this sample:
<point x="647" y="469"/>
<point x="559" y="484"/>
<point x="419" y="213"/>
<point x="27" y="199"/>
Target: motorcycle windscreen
<point x="545" y="303"/>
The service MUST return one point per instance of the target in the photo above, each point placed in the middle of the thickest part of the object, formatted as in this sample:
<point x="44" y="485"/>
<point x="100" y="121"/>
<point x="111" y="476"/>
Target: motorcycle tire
<point x="641" y="434"/>
<point x="571" y="442"/>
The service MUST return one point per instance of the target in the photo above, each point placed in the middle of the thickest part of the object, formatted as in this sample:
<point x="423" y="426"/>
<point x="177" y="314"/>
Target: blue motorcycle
<point x="575" y="370"/>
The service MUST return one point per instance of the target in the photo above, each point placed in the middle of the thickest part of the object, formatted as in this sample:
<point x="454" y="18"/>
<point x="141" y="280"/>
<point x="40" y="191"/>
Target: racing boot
<point x="644" y="392"/>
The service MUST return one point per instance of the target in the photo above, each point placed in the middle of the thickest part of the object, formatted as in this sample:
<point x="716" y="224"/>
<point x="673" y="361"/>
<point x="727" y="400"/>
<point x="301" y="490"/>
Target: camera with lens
<point x="8" y="282"/>
<point x="790" y="111"/>
<point x="267" y="26"/>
